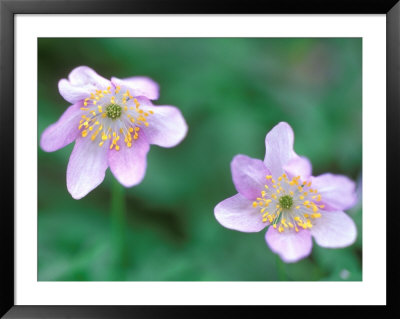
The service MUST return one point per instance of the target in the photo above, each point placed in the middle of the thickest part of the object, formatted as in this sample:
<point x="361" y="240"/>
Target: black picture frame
<point x="8" y="10"/>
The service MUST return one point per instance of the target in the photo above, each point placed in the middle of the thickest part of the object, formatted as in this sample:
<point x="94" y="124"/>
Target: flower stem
<point x="118" y="230"/>
<point x="281" y="269"/>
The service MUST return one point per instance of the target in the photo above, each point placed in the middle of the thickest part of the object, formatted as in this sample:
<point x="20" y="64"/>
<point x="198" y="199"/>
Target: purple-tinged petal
<point x="248" y="176"/>
<point x="62" y="132"/>
<point x="167" y="126"/>
<point x="86" y="167"/>
<point x="129" y="163"/>
<point x="291" y="246"/>
<point x="81" y="82"/>
<point x="279" y="148"/>
<point x="139" y="86"/>
<point x="83" y="75"/>
<point x="338" y="192"/>
<point x="72" y="93"/>
<point x="237" y="213"/>
<point x="298" y="166"/>
<point x="334" y="230"/>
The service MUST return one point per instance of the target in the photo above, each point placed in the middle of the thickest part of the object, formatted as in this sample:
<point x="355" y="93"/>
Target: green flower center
<point x="286" y="201"/>
<point x="113" y="111"/>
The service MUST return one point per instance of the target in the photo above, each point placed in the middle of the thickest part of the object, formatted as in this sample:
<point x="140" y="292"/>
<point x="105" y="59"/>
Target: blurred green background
<point x="231" y="93"/>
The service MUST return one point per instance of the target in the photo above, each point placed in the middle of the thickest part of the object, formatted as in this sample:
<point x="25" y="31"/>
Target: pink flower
<point x="113" y="123"/>
<point x="281" y="192"/>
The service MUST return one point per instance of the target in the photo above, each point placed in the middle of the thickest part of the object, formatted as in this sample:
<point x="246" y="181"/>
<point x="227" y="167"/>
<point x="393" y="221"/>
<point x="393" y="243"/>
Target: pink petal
<point x="338" y="192"/>
<point x="249" y="176"/>
<point x="87" y="166"/>
<point x="139" y="86"/>
<point x="81" y="82"/>
<point x="334" y="230"/>
<point x="129" y="163"/>
<point x="167" y="127"/>
<point x="62" y="132"/>
<point x="72" y="93"/>
<point x="279" y="148"/>
<point x="299" y="166"/>
<point x="291" y="246"/>
<point x="238" y="213"/>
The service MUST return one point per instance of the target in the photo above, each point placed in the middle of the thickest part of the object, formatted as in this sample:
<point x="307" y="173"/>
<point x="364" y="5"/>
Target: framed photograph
<point x="168" y="154"/>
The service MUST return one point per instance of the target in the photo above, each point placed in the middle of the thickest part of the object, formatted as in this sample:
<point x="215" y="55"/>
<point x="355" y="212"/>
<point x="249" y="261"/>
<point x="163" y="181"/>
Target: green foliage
<point x="231" y="92"/>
